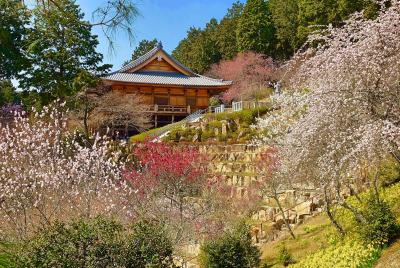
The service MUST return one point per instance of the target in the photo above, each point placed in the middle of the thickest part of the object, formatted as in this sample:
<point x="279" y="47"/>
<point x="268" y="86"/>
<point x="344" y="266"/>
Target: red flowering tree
<point x="250" y="72"/>
<point x="173" y="185"/>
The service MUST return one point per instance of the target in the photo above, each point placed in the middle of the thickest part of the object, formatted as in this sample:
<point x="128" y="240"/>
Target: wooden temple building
<point x="171" y="90"/>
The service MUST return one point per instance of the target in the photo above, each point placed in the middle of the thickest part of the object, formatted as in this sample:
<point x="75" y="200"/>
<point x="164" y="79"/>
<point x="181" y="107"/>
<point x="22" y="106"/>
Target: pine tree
<point x="61" y="46"/>
<point x="226" y="37"/>
<point x="285" y="19"/>
<point x="143" y="47"/>
<point x="199" y="50"/>
<point x="255" y="30"/>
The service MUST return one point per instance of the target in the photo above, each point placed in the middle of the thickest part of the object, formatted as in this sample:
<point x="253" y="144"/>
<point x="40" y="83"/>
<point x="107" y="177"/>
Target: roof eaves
<point x="226" y="82"/>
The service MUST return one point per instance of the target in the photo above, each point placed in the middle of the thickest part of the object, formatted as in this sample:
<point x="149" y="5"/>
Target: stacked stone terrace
<point x="235" y="164"/>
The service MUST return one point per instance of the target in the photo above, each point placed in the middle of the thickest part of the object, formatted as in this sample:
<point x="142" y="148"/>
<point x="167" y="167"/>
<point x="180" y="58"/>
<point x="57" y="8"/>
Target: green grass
<point x="317" y="242"/>
<point x="142" y="136"/>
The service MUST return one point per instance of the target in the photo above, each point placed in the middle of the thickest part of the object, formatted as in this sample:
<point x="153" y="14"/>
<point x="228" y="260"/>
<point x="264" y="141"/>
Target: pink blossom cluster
<point x="249" y="71"/>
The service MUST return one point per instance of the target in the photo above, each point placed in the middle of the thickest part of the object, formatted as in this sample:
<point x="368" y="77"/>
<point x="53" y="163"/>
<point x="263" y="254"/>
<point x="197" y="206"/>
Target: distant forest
<point x="275" y="28"/>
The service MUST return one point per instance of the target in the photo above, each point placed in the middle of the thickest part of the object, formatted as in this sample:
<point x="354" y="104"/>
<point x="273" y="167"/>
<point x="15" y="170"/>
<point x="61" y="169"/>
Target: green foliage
<point x="284" y="15"/>
<point x="233" y="250"/>
<point x="61" y="46"/>
<point x="13" y="31"/>
<point x="214" y="101"/>
<point x="7" y="93"/>
<point x="199" y="49"/>
<point x="142" y="136"/>
<point x="226" y="37"/>
<point x="143" y="47"/>
<point x="98" y="242"/>
<point x="237" y="123"/>
<point x="6" y="260"/>
<point x="245" y="116"/>
<point x="148" y="247"/>
<point x="381" y="226"/>
<point x="255" y="30"/>
<point x="203" y="47"/>
<point x="276" y="28"/>
<point x="82" y="243"/>
<point x="347" y="254"/>
<point x="285" y="257"/>
<point x="389" y="172"/>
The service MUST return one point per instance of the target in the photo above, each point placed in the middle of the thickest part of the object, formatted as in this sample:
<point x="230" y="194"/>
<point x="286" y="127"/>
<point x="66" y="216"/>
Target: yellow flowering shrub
<point x="349" y="254"/>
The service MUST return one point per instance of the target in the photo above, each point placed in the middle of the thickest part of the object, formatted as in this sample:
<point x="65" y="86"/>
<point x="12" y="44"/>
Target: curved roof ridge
<point x="141" y="59"/>
<point x="148" y="55"/>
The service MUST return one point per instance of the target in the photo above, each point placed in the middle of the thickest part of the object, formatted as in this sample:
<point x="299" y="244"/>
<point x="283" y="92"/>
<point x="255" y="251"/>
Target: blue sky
<point x="166" y="20"/>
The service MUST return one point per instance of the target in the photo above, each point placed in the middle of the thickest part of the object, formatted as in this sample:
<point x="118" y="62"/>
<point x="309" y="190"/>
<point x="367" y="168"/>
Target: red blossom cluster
<point x="161" y="164"/>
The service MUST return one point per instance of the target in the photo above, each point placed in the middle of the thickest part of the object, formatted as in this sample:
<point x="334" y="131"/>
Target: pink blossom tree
<point x="250" y="72"/>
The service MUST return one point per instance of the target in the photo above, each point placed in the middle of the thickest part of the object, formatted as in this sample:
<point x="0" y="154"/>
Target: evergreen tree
<point x="7" y="93"/>
<point x="199" y="50"/>
<point x="255" y="29"/>
<point x="143" y="47"/>
<point x="226" y="37"/>
<point x="314" y="13"/>
<point x="13" y="22"/>
<point x="184" y="52"/>
<point x="61" y="46"/>
<point x="285" y="19"/>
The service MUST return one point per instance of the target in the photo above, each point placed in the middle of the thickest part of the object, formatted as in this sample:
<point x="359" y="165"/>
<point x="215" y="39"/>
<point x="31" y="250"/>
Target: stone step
<point x="234" y="156"/>
<point x="232" y="167"/>
<point x="233" y="148"/>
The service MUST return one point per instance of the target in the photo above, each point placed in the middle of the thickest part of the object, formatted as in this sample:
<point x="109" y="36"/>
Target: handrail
<point x="167" y="128"/>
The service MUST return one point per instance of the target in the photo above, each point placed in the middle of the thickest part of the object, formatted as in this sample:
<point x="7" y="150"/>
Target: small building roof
<point x="166" y="78"/>
<point x="132" y="73"/>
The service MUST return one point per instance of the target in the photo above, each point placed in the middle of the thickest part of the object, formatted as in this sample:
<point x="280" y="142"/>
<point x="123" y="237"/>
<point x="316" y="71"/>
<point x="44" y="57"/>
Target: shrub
<point x="285" y="257"/>
<point x="389" y="172"/>
<point x="215" y="124"/>
<point x="81" y="243"/>
<point x="214" y="101"/>
<point x="381" y="226"/>
<point x="98" y="242"/>
<point x="234" y="249"/>
<point x="143" y="136"/>
<point x="5" y="256"/>
<point x="148" y="246"/>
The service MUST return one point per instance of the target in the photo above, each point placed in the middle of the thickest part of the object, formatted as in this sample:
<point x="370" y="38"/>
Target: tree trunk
<point x="334" y="222"/>
<point x="283" y="215"/>
<point x="359" y="217"/>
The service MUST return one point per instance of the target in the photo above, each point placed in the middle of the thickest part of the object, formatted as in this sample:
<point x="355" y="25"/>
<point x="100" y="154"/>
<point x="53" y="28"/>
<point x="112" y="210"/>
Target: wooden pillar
<point x="173" y="118"/>
<point x="196" y="96"/>
<point x="155" y="120"/>
<point x="186" y="103"/>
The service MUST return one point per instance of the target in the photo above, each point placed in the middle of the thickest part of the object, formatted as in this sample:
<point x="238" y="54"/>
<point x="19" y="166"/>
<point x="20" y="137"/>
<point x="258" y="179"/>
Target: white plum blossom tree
<point x="47" y="174"/>
<point x="341" y="113"/>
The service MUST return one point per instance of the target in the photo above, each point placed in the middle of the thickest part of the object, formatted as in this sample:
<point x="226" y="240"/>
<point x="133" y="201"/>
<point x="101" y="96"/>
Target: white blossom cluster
<point x="349" y="116"/>
<point x="47" y="174"/>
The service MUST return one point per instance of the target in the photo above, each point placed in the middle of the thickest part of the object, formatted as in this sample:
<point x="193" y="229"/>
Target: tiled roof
<point x="150" y="54"/>
<point x="166" y="78"/>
